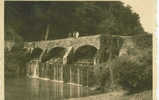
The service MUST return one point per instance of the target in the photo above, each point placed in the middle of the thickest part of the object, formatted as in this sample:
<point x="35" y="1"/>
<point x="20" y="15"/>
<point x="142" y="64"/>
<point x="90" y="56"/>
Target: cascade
<point x="66" y="55"/>
<point x="35" y="66"/>
<point x="75" y="75"/>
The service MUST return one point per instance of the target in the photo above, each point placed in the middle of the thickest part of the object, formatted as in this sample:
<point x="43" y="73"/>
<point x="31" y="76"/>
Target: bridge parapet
<point x="68" y="42"/>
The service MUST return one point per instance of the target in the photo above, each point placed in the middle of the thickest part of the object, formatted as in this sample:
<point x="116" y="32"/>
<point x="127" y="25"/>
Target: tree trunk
<point x="47" y="32"/>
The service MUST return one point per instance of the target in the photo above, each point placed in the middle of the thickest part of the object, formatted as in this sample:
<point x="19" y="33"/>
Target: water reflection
<point x="37" y="89"/>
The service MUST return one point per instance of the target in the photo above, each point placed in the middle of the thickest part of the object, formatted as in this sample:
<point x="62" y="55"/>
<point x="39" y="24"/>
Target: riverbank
<point x="146" y="95"/>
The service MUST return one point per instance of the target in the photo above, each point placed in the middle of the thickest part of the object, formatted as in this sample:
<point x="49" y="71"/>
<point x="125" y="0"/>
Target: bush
<point x="103" y="78"/>
<point x="132" y="72"/>
<point x="15" y="61"/>
<point x="132" y="75"/>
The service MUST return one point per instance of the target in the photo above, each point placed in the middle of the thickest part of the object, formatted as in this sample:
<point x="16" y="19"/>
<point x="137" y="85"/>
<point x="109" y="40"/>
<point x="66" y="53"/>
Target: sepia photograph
<point x="77" y="50"/>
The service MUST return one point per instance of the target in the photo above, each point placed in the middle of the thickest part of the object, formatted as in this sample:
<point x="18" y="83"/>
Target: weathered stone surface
<point x="75" y="43"/>
<point x="66" y="43"/>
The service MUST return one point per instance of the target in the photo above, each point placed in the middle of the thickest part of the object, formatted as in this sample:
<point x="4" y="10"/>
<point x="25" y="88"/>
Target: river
<point x="37" y="89"/>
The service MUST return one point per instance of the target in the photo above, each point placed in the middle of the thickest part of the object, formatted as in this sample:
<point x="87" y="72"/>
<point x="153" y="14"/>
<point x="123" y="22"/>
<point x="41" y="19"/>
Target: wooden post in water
<point x="44" y="70"/>
<point x="57" y="74"/>
<point x="87" y="80"/>
<point x="59" y="70"/>
<point x="87" y="76"/>
<point x="70" y="75"/>
<point x="78" y="75"/>
<point x="50" y="71"/>
<point x="81" y="73"/>
<point x="54" y="72"/>
<point x="62" y="73"/>
<point x="70" y="82"/>
<point x="49" y="74"/>
<point x="78" y="80"/>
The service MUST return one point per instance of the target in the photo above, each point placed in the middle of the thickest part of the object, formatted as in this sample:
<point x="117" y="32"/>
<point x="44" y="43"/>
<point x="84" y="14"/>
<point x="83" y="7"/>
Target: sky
<point x="147" y="12"/>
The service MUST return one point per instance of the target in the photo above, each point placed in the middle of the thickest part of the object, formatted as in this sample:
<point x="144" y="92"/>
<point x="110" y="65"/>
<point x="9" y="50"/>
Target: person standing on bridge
<point x="76" y="34"/>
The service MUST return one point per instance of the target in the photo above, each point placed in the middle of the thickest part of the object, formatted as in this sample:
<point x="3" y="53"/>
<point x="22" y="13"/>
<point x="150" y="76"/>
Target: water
<point x="37" y="89"/>
<point x="73" y="74"/>
<point x="34" y="68"/>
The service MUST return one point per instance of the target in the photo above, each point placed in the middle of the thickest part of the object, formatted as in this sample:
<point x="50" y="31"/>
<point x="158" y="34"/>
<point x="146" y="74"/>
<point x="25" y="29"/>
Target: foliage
<point x="102" y="76"/>
<point x="132" y="76"/>
<point x="88" y="18"/>
<point x="15" y="60"/>
<point x="134" y="71"/>
<point x="143" y="41"/>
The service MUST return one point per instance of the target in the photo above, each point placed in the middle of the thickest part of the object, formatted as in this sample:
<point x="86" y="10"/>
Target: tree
<point x="88" y="18"/>
<point x="135" y="69"/>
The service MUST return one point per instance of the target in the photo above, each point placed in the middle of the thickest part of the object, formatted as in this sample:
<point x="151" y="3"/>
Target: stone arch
<point x="85" y="54"/>
<point x="53" y="54"/>
<point x="35" y="54"/>
<point x="81" y="44"/>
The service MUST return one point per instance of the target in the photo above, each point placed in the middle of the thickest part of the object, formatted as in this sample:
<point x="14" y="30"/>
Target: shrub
<point x="132" y="75"/>
<point x="15" y="60"/>
<point x="102" y="75"/>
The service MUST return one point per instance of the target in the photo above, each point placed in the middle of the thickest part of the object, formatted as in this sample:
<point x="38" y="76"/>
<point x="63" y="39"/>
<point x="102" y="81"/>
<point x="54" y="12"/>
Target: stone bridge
<point x="72" y="46"/>
<point x="65" y="50"/>
<point x="68" y="45"/>
<point x="75" y="43"/>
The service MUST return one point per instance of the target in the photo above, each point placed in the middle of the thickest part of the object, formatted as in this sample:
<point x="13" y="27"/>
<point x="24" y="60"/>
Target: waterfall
<point x="36" y="67"/>
<point x="66" y="55"/>
<point x="70" y="74"/>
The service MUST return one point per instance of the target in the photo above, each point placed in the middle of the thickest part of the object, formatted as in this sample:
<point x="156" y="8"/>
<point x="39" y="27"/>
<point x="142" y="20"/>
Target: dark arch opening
<point x="85" y="54"/>
<point x="36" y="53"/>
<point x="54" y="54"/>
